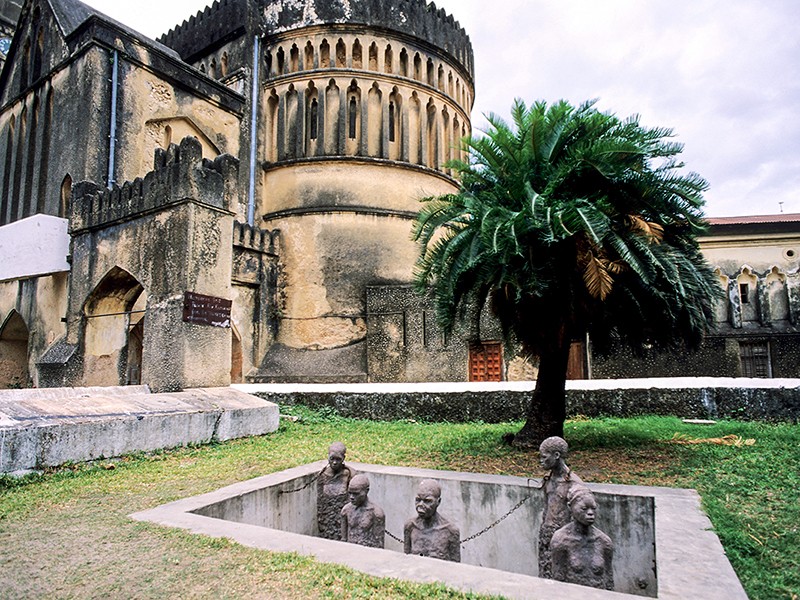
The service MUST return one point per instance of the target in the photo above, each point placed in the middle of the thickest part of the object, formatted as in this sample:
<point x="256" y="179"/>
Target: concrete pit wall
<point x="471" y="502"/>
<point x="647" y="524"/>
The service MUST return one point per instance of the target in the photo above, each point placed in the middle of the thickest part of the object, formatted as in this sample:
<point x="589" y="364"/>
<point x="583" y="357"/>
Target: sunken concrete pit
<point x="664" y="546"/>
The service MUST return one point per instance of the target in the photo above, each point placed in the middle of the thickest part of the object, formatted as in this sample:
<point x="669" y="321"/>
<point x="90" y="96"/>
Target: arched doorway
<point x="114" y="332"/>
<point x="14" y="352"/>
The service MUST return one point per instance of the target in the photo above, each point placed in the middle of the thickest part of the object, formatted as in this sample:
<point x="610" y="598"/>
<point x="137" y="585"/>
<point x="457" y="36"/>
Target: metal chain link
<point x="306" y="486"/>
<point x="517" y="506"/>
<point x="394" y="537"/>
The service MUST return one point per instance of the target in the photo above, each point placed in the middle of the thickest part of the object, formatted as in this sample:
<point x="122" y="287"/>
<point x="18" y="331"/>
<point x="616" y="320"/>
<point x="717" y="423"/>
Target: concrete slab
<point x="691" y="562"/>
<point x="49" y="427"/>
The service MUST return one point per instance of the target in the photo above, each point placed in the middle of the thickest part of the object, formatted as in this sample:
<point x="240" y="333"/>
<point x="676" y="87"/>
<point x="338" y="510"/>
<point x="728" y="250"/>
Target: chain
<point x="306" y="486"/>
<point x="517" y="506"/>
<point x="394" y="537"/>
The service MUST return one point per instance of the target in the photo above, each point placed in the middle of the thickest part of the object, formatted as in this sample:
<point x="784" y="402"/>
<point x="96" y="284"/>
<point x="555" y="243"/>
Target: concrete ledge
<point x="700" y="398"/>
<point x="41" y="428"/>
<point x="691" y="561"/>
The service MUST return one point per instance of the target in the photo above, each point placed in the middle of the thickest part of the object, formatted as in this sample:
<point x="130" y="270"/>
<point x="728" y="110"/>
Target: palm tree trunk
<point x="547" y="410"/>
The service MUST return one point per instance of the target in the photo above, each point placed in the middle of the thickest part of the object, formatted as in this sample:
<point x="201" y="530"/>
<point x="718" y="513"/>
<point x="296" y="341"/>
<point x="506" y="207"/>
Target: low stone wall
<point x="744" y="399"/>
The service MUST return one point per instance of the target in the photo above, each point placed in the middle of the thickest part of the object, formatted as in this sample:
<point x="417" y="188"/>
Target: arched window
<point x="281" y="61"/>
<point x="212" y="69"/>
<point x="417" y="67"/>
<point x="309" y="57"/>
<point x="388" y="59"/>
<point x="272" y="126"/>
<point x="66" y="197"/>
<point x="392" y="126"/>
<point x="341" y="54"/>
<point x="38" y="56"/>
<point x="430" y="72"/>
<point x="404" y="63"/>
<point x="373" y="57"/>
<point x="6" y="199"/>
<point x="294" y="59"/>
<point x="441" y="79"/>
<point x="324" y="55"/>
<point x="223" y="65"/>
<point x="352" y="117"/>
<point x="268" y="63"/>
<point x="357" y="55"/>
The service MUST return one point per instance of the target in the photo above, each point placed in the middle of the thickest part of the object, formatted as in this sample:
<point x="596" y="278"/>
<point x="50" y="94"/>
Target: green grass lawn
<point x="66" y="534"/>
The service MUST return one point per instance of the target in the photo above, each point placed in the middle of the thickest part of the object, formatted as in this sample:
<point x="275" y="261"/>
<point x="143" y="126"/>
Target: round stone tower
<point x="363" y="104"/>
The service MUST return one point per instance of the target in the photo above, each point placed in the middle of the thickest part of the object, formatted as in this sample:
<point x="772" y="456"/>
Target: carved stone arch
<point x="332" y="111"/>
<point x="65" y="200"/>
<point x="373" y="56"/>
<point x="432" y="135"/>
<point x="353" y="120"/>
<point x="202" y="67"/>
<point x="294" y="59"/>
<point x="395" y="124"/>
<point x="280" y="61"/>
<point x="404" y="63"/>
<point x="212" y="68"/>
<point x="324" y="55"/>
<point x="450" y="85"/>
<point x="415" y="129"/>
<point x="447" y="139"/>
<point x="271" y="113"/>
<point x="5" y="200"/>
<point x="417" y="67"/>
<point x="722" y="306"/>
<point x="358" y="55"/>
<point x="388" y="59"/>
<point x="777" y="295"/>
<point x="38" y="55"/>
<point x="375" y="121"/>
<point x="14" y="340"/>
<point x="456" y="138"/>
<point x="291" y="124"/>
<point x="430" y="73"/>
<point x="308" y="56"/>
<point x="223" y="65"/>
<point x="341" y="54"/>
<point x="747" y="283"/>
<point x="108" y="314"/>
<point x="440" y="79"/>
<point x="312" y="119"/>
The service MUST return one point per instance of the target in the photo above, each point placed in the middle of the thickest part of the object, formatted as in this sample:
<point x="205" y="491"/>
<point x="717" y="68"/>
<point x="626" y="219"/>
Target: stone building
<point x="757" y="331"/>
<point x="233" y="202"/>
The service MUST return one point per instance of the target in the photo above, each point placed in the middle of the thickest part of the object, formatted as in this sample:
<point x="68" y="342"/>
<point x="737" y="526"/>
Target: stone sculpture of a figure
<point x="581" y="553"/>
<point x="332" y="488"/>
<point x="363" y="522"/>
<point x="429" y="533"/>
<point x="557" y="485"/>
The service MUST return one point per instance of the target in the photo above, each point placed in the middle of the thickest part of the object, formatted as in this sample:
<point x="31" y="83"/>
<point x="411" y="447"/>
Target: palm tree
<point x="570" y="222"/>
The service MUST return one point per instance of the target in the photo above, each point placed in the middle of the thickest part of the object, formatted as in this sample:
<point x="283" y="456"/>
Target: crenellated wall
<point x="180" y="172"/>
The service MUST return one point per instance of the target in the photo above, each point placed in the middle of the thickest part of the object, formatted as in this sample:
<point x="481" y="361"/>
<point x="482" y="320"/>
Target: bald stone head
<point x="429" y="496"/>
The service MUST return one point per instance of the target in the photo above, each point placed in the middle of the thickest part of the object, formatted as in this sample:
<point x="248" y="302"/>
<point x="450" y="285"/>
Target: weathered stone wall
<point x="153" y="238"/>
<point x="495" y="404"/>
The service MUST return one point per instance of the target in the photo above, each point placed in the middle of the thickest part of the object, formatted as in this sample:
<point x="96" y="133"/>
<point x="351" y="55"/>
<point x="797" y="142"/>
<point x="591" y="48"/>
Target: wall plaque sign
<point x="206" y="310"/>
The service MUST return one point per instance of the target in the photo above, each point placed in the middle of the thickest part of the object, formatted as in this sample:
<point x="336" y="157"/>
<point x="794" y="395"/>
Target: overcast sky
<point x="724" y="74"/>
